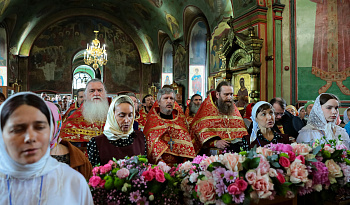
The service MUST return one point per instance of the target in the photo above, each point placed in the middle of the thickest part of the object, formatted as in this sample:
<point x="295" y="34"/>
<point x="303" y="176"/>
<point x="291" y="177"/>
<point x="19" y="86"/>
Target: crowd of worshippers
<point x="39" y="145"/>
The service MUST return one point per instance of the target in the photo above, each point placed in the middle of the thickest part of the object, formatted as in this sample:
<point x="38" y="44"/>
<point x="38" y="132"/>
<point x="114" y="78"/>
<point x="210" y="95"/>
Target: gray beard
<point x="194" y="108"/>
<point x="95" y="111"/>
<point x="224" y="107"/>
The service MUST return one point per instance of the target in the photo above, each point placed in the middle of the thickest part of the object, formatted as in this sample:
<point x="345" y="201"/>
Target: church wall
<point x="50" y="60"/>
<point x="328" y="71"/>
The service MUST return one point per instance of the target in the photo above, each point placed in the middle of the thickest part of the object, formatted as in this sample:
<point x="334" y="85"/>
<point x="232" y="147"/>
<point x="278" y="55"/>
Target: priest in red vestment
<point x="89" y="120"/>
<point x="218" y="123"/>
<point x="193" y="107"/>
<point x="76" y="105"/>
<point x="147" y="102"/>
<point x="166" y="131"/>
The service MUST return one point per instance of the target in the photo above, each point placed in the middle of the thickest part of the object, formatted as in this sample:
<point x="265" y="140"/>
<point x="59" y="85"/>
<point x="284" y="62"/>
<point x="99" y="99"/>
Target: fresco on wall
<point x="52" y="52"/>
<point x="3" y="47"/>
<point x="323" y="48"/>
<point x="180" y="63"/>
<point x="198" y="44"/>
<point x="156" y="3"/>
<point x="173" y="25"/>
<point x="215" y="43"/>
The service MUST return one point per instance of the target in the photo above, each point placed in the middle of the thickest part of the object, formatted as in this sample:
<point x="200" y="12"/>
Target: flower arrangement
<point x="261" y="173"/>
<point x="134" y="181"/>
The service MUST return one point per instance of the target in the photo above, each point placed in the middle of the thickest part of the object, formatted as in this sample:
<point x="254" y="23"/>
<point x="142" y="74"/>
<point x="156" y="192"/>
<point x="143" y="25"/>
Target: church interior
<point x="266" y="48"/>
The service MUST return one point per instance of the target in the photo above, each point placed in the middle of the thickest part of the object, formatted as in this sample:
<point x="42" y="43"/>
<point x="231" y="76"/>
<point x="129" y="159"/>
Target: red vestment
<point x="189" y="117"/>
<point x="142" y="118"/>
<point x="209" y="123"/>
<point x="159" y="131"/>
<point x="77" y="129"/>
<point x="73" y="106"/>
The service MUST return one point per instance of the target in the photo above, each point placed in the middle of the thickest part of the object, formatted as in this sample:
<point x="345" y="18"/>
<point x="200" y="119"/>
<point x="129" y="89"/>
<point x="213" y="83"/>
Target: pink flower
<point x="95" y="170"/>
<point x="186" y="166"/>
<point x="301" y="149"/>
<point x="264" y="165"/>
<point x="263" y="186"/>
<point x="297" y="172"/>
<point x="149" y="175"/>
<point x="284" y="162"/>
<point x="264" y="151"/>
<point x="110" y="162"/>
<point x="135" y="196"/>
<point x="102" y="183"/>
<point x="160" y="177"/>
<point x="163" y="166"/>
<point x="251" y="176"/>
<point x="142" y="201"/>
<point x="291" y="155"/>
<point x="301" y="158"/>
<point x="107" y="167"/>
<point x="123" y="173"/>
<point x="206" y="191"/>
<point x="328" y="148"/>
<point x="280" y="178"/>
<point x="334" y="170"/>
<point x="94" y="181"/>
<point x="272" y="172"/>
<point x="233" y="189"/>
<point x="241" y="184"/>
<point x="187" y="189"/>
<point x="290" y="194"/>
<point x="233" y="162"/>
<point x="340" y="146"/>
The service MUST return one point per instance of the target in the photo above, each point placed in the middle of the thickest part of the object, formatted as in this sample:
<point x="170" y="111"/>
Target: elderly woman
<point x="263" y="119"/>
<point x="119" y="139"/>
<point x="322" y="122"/>
<point x="63" y="151"/>
<point x="28" y="174"/>
<point x="292" y="110"/>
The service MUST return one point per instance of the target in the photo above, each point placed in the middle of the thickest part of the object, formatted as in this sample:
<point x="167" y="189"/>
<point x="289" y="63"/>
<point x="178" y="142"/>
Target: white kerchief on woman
<point x="112" y="129"/>
<point x="11" y="168"/>
<point x="318" y="121"/>
<point x="255" y="123"/>
<point x="345" y="116"/>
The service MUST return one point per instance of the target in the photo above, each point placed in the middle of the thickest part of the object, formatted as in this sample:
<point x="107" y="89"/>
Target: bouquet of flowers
<point x="331" y="169"/>
<point x="134" y="181"/>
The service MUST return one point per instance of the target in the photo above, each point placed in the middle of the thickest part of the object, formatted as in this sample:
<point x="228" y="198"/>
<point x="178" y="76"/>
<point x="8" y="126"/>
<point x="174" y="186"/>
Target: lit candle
<point x="84" y="54"/>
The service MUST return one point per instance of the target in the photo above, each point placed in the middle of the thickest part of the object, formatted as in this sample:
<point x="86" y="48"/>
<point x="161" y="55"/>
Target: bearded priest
<point x="89" y="119"/>
<point x="218" y="123"/>
<point x="166" y="131"/>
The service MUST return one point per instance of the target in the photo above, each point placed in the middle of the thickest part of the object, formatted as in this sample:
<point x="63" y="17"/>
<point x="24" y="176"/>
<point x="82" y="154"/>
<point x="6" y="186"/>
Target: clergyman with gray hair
<point x="166" y="131"/>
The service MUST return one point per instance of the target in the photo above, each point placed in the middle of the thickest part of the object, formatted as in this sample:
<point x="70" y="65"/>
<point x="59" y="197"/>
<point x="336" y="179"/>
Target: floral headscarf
<point x="318" y="121"/>
<point x="112" y="129"/>
<point x="57" y="119"/>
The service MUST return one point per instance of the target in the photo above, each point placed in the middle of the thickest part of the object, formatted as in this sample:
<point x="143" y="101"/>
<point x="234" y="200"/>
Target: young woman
<point x="28" y="174"/>
<point x="322" y="122"/>
<point x="263" y="118"/>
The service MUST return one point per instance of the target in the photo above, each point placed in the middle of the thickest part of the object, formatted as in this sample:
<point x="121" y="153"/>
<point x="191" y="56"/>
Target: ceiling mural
<point x="143" y="18"/>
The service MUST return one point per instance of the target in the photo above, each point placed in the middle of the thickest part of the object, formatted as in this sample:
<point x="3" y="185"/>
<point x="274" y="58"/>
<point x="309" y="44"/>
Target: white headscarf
<point x="12" y="168"/>
<point x="299" y="110"/>
<point x="345" y="116"/>
<point x="319" y="122"/>
<point x="112" y="129"/>
<point x="255" y="123"/>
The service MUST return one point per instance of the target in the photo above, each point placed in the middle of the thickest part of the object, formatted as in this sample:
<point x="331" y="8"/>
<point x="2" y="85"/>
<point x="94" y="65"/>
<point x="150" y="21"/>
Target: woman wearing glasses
<point x="321" y="124"/>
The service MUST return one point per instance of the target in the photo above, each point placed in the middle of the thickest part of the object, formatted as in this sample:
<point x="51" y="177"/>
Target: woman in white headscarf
<point x="322" y="122"/>
<point x="119" y="139"/>
<point x="28" y="174"/>
<point x="263" y="119"/>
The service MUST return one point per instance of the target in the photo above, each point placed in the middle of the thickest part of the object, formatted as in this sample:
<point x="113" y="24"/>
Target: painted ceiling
<point x="141" y="19"/>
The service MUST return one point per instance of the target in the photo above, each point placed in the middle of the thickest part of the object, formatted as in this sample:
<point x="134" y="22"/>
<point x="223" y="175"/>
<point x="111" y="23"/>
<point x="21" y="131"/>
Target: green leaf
<point x="254" y="163"/>
<point x="275" y="164"/>
<point x="246" y="163"/>
<point x="215" y="164"/>
<point x="316" y="150"/>
<point x="132" y="173"/>
<point x="312" y="160"/>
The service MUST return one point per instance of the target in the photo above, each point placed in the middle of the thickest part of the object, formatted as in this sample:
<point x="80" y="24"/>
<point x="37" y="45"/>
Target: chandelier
<point x="95" y="54"/>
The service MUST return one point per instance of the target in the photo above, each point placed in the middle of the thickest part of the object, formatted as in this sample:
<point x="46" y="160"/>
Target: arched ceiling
<point x="141" y="19"/>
